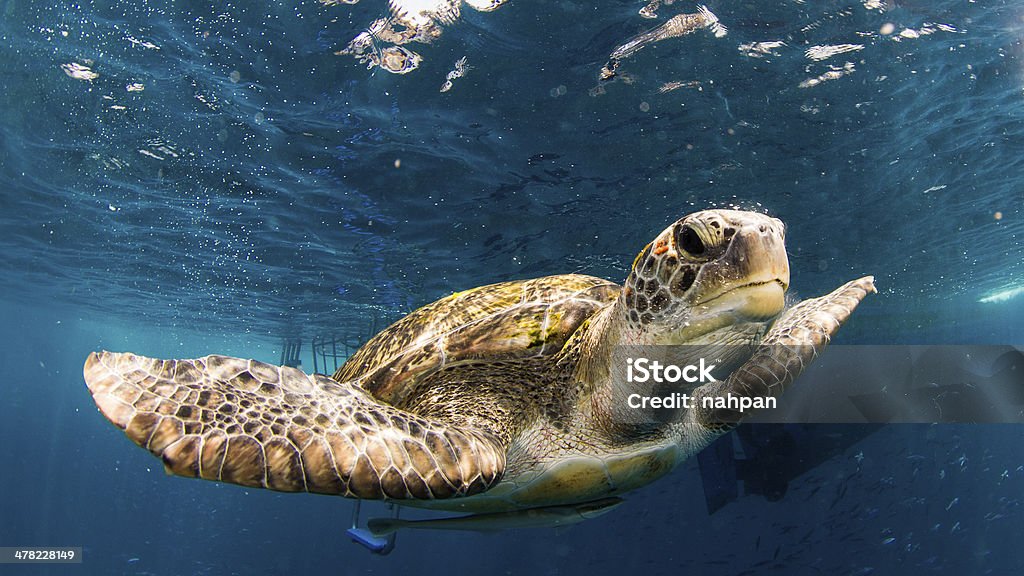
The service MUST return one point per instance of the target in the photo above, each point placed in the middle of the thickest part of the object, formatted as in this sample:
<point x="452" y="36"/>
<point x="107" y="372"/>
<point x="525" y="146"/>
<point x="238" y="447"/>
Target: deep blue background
<point x="275" y="210"/>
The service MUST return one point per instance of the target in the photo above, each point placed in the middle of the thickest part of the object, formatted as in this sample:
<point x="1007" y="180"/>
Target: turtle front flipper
<point x="793" y="342"/>
<point x="264" y="426"/>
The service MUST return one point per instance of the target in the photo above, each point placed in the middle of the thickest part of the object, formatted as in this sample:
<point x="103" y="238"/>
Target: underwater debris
<point x="675" y="85"/>
<point x="651" y="9"/>
<point x="485" y="5"/>
<point x="394" y="59"/>
<point x="926" y="29"/>
<point x="417" y="21"/>
<point x="79" y="71"/>
<point x="417" y="13"/>
<point x="824" y="52"/>
<point x="761" y="49"/>
<point x="834" y="73"/>
<point x="458" y="71"/>
<point x="679" y="25"/>
<point x="399" y="60"/>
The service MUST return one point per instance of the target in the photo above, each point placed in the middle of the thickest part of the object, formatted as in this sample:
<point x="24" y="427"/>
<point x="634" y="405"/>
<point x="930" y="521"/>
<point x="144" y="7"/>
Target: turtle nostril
<point x="688" y="239"/>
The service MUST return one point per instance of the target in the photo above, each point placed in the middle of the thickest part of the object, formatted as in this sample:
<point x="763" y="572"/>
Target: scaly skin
<point x="264" y="426"/>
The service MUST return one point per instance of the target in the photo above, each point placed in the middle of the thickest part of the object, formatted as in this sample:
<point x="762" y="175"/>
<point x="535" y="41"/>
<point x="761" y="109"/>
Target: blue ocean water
<point x="226" y="181"/>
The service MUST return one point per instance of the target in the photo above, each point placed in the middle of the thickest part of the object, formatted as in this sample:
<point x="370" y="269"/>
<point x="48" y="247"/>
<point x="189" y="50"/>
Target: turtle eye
<point x="688" y="239"/>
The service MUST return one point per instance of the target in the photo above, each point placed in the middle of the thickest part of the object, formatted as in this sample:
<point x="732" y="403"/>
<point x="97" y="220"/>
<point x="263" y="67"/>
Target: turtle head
<point x="707" y="271"/>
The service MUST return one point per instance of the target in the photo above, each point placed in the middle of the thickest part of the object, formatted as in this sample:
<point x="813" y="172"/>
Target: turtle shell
<point x="499" y="322"/>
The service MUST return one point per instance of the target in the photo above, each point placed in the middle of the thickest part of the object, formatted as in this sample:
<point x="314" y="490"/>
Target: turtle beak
<point x="753" y="275"/>
<point x="759" y="253"/>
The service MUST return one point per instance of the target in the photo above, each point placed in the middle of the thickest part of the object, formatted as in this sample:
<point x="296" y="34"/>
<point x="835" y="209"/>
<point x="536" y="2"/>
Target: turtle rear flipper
<point x="793" y="342"/>
<point x="264" y="426"/>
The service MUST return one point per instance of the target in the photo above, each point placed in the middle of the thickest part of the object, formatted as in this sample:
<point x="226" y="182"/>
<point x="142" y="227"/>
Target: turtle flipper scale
<point x="264" y="426"/>
<point x="793" y="342"/>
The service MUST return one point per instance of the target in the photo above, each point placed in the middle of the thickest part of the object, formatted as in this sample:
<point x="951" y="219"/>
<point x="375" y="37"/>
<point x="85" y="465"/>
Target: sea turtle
<point x="495" y="400"/>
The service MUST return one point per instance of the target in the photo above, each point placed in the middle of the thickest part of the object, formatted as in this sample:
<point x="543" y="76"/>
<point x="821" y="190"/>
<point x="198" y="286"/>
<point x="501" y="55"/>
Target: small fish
<point x="888" y="541"/>
<point x="953" y="502"/>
